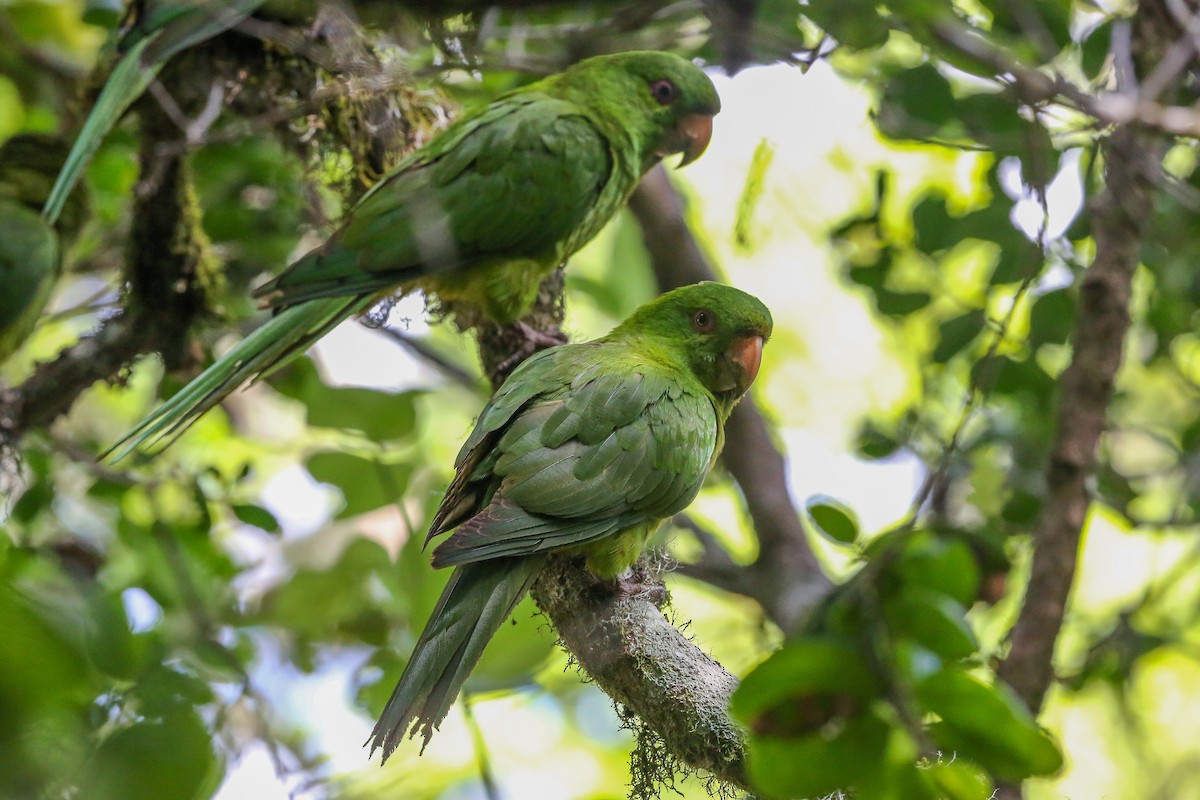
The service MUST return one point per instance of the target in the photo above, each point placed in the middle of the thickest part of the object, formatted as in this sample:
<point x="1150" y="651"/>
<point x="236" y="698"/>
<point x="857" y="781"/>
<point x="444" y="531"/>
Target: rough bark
<point x="1120" y="214"/>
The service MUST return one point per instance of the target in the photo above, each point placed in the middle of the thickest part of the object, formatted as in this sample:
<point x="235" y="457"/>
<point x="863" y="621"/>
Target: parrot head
<point x="717" y="330"/>
<point x="665" y="101"/>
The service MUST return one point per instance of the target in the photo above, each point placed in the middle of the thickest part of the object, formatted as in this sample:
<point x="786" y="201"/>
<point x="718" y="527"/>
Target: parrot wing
<point x="29" y="261"/>
<point x="512" y="181"/>
<point x="619" y="445"/>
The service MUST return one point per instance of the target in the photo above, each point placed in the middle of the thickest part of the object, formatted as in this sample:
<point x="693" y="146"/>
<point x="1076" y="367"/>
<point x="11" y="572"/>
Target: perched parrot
<point x="153" y="35"/>
<point x="31" y="248"/>
<point x="585" y="449"/>
<point x="479" y="215"/>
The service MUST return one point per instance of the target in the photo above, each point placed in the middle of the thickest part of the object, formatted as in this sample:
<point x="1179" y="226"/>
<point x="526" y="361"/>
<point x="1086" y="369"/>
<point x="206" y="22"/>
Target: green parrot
<point x="31" y="249"/>
<point x="480" y="215"/>
<point x="155" y="32"/>
<point x="585" y="449"/>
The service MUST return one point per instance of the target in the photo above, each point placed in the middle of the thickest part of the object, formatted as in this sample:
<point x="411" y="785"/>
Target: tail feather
<point x="473" y="606"/>
<point x="283" y="337"/>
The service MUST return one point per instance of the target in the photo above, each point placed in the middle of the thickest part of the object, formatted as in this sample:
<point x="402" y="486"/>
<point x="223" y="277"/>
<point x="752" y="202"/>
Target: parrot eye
<point x="663" y="91"/>
<point x="704" y="321"/>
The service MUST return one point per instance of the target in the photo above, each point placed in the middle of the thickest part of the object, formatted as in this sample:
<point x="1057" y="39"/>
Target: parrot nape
<point x="31" y="249"/>
<point x="162" y="29"/>
<point x="584" y="450"/>
<point x="479" y="215"/>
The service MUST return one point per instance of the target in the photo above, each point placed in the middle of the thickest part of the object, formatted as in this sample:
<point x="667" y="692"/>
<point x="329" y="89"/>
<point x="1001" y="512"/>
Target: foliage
<point x="168" y="611"/>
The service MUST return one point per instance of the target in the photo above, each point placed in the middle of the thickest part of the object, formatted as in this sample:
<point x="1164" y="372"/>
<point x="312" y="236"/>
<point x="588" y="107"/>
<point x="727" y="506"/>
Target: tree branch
<point x="785" y="578"/>
<point x="624" y="642"/>
<point x="1120" y="215"/>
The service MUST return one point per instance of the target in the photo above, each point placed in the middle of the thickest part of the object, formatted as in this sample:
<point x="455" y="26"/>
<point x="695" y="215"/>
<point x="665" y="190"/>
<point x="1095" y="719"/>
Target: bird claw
<point x="532" y="341"/>
<point x="638" y="583"/>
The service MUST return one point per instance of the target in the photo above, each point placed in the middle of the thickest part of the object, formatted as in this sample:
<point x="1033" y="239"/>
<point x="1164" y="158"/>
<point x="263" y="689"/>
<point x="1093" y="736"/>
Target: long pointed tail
<point x="472" y="608"/>
<point x="284" y="336"/>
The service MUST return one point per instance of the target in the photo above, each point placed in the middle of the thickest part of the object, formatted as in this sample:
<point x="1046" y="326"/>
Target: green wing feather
<point x="178" y="26"/>
<point x="453" y="204"/>
<point x="577" y="456"/>
<point x="29" y="265"/>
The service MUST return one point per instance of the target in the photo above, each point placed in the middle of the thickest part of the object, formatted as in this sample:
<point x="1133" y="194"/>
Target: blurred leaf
<point x="958" y="780"/>
<point x="366" y="485"/>
<point x="803" y="668"/>
<point x="752" y="192"/>
<point x="932" y="619"/>
<point x="900" y="304"/>
<point x="987" y="725"/>
<point x="856" y="24"/>
<point x="942" y="563"/>
<point x="832" y="519"/>
<point x="1095" y="49"/>
<point x="916" y="104"/>
<point x="1052" y="318"/>
<point x="956" y="333"/>
<point x="154" y="759"/>
<point x="257" y="516"/>
<point x="380" y="416"/>
<point x="815" y="765"/>
<point x="935" y="229"/>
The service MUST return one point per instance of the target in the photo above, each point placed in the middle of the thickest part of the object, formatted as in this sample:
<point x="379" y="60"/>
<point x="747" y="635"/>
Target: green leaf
<point x="956" y="333"/>
<point x="155" y="759"/>
<point x="366" y="485"/>
<point x="941" y="562"/>
<point x="900" y="304"/>
<point x="820" y="763"/>
<point x="856" y="24"/>
<point x="1095" y="49"/>
<point x="935" y="229"/>
<point x="380" y="416"/>
<point x="752" y="192"/>
<point x="1052" y="318"/>
<point x="832" y="519"/>
<point x="988" y="725"/>
<point x="257" y="516"/>
<point x="933" y="620"/>
<point x="916" y="103"/>
<point x="814" y="665"/>
<point x="958" y="780"/>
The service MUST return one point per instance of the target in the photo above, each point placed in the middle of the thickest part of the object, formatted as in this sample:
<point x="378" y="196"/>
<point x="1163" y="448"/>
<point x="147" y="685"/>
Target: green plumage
<point x="585" y="449"/>
<point x="482" y="213"/>
<point x="30" y="248"/>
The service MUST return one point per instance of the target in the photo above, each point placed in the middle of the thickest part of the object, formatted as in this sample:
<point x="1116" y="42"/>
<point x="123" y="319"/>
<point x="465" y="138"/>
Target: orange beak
<point x="696" y="131"/>
<point x="747" y="354"/>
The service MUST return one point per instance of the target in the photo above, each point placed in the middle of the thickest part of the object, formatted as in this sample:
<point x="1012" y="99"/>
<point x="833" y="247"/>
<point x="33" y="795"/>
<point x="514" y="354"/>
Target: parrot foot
<point x="641" y="584"/>
<point x="532" y="340"/>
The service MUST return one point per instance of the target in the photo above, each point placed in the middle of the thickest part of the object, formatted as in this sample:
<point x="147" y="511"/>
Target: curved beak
<point x="695" y="131"/>
<point x="746" y="352"/>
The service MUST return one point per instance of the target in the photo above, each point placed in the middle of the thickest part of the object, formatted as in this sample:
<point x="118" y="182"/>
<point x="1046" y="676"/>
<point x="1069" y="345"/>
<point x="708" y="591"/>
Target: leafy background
<point x="225" y="619"/>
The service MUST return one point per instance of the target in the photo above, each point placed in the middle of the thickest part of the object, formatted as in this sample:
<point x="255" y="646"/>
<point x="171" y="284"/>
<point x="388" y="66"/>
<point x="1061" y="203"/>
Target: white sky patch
<point x="353" y="354"/>
<point x="1064" y="197"/>
<point x="141" y="609"/>
<point x="299" y="502"/>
